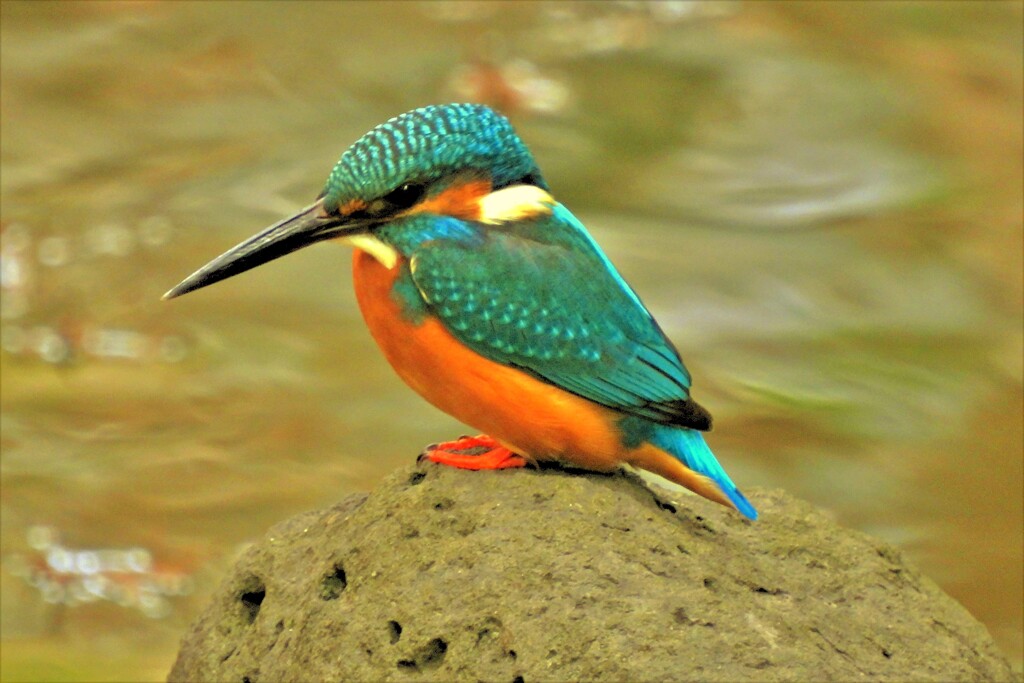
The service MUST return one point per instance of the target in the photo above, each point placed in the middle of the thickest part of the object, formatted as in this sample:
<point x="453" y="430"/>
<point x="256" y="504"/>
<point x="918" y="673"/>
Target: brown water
<point x="820" y="202"/>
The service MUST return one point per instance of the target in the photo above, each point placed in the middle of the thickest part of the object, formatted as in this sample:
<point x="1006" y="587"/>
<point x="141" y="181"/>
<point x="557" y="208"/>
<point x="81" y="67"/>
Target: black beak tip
<point x="177" y="290"/>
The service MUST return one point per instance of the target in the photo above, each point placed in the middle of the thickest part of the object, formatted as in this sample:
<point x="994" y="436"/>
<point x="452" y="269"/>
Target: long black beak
<point x="307" y="227"/>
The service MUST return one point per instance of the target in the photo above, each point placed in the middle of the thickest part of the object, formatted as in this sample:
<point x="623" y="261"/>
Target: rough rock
<point x="549" y="575"/>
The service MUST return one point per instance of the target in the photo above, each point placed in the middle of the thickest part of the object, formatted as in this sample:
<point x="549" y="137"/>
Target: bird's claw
<point x="430" y="447"/>
<point x="490" y="454"/>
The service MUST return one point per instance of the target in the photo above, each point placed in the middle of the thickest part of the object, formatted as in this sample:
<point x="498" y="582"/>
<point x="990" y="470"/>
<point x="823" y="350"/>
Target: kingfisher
<point x="494" y="303"/>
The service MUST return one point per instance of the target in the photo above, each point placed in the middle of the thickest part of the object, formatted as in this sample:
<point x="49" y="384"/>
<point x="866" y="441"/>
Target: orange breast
<point x="530" y="417"/>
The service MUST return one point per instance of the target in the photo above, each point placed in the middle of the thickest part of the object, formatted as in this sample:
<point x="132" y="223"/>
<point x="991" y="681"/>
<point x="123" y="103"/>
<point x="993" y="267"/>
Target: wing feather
<point x="539" y="295"/>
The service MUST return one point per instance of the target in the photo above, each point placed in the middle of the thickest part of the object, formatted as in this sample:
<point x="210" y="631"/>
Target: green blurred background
<point x="821" y="203"/>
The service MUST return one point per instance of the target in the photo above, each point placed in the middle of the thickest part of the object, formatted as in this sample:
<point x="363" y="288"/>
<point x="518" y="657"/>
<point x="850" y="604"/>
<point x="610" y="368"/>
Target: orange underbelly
<point x="529" y="416"/>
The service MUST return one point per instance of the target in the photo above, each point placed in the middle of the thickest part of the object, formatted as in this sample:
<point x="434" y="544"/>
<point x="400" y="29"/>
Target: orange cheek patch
<point x="351" y="207"/>
<point x="460" y="201"/>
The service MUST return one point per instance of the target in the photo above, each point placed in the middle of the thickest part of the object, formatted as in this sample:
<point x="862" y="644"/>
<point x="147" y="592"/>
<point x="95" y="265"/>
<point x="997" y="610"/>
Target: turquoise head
<point x="426" y="145"/>
<point x="416" y="161"/>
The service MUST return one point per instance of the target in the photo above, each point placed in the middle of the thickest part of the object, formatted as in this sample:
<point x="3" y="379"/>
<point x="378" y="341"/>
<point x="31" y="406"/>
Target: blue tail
<point x="689" y="446"/>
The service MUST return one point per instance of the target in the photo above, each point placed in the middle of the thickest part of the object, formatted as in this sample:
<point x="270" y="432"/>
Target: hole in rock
<point x="251" y="596"/>
<point x="333" y="583"/>
<point x="433" y="653"/>
<point x="429" y="656"/>
<point x="395" y="631"/>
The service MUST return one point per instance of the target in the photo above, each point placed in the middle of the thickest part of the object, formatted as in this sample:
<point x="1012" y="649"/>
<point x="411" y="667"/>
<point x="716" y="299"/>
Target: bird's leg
<point x="485" y="454"/>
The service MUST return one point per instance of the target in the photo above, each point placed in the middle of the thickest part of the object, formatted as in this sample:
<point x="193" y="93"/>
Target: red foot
<point x="491" y="455"/>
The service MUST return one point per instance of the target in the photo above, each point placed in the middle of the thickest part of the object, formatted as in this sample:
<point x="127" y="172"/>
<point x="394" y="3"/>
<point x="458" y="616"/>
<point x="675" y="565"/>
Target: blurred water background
<point x="821" y="203"/>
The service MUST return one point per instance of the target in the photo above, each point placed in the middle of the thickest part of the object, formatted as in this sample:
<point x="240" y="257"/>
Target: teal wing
<point x="540" y="296"/>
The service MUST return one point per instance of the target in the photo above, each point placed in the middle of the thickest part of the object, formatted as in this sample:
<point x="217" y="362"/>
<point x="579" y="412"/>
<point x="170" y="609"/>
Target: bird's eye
<point x="404" y="196"/>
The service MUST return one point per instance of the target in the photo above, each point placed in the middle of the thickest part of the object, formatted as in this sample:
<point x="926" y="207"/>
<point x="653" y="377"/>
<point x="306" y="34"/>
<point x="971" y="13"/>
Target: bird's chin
<point x="385" y="254"/>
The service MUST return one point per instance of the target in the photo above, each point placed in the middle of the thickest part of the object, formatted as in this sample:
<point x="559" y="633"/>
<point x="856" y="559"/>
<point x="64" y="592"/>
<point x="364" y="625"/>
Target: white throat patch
<point x="515" y="203"/>
<point x="387" y="256"/>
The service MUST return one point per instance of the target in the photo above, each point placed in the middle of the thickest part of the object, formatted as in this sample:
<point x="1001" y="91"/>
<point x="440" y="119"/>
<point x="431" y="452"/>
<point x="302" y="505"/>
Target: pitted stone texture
<point x="443" y="574"/>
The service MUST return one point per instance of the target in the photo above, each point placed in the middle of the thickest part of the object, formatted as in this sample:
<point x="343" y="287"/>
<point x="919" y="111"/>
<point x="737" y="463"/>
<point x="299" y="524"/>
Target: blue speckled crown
<point x="424" y="144"/>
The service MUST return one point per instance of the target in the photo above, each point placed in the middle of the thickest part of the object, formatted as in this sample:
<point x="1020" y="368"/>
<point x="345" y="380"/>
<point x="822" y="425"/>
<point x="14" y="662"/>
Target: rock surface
<point x="526" y="576"/>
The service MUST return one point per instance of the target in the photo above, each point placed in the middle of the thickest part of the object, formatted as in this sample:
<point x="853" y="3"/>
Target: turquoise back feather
<point x="539" y="295"/>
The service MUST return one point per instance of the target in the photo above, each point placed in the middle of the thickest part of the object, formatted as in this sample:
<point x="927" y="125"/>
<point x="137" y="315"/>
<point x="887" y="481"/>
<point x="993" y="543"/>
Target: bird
<point x="491" y="300"/>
